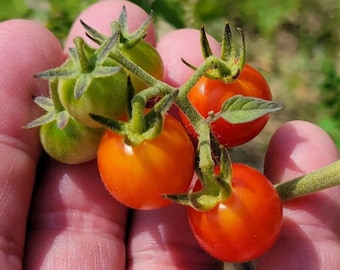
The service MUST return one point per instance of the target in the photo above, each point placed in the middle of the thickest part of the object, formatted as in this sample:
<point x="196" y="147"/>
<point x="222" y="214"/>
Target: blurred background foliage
<point x="293" y="43"/>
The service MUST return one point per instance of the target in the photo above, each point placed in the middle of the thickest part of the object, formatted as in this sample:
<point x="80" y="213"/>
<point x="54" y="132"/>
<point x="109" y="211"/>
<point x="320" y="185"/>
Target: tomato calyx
<point x="216" y="186"/>
<point x="61" y="136"/>
<point x="126" y="39"/>
<point x="232" y="60"/>
<point x="84" y="65"/>
<point x="143" y="123"/>
<point x="89" y="80"/>
<point x="61" y="117"/>
<point x="53" y="107"/>
<point x="139" y="58"/>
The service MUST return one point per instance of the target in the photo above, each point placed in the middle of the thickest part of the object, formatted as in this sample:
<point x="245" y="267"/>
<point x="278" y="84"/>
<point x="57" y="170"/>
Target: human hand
<point x="57" y="216"/>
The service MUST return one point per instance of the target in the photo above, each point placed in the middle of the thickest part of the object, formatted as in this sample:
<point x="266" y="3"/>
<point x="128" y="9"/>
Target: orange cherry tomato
<point x="138" y="175"/>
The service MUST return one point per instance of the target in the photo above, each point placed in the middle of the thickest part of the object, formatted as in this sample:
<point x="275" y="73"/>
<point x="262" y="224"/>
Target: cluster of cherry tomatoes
<point x="92" y="83"/>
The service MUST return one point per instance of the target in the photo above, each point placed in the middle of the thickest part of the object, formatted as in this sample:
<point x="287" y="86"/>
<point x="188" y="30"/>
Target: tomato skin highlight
<point x="208" y="95"/>
<point x="246" y="224"/>
<point x="138" y="176"/>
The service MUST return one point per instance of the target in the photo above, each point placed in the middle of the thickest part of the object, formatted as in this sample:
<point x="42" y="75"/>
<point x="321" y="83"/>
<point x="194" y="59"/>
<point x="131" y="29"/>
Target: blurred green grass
<point x="293" y="43"/>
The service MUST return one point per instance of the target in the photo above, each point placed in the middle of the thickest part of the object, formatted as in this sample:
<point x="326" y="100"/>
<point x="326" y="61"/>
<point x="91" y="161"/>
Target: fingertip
<point x="309" y="227"/>
<point x="296" y="148"/>
<point x="82" y="218"/>
<point x="100" y="16"/>
<point x="27" y="48"/>
<point x="182" y="43"/>
<point x="31" y="41"/>
<point x="163" y="237"/>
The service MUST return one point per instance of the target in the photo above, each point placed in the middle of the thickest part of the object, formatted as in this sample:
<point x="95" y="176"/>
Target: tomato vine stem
<point x="216" y="185"/>
<point x="227" y="68"/>
<point x="86" y="64"/>
<point x="138" y="71"/>
<point x="320" y="179"/>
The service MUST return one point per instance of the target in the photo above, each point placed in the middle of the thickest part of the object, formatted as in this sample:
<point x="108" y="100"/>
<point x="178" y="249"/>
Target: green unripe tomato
<point x="72" y="144"/>
<point x="106" y="96"/>
<point x="147" y="57"/>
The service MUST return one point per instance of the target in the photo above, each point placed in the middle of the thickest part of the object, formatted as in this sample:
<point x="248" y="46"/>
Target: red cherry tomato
<point x="245" y="225"/>
<point x="208" y="95"/>
<point x="139" y="175"/>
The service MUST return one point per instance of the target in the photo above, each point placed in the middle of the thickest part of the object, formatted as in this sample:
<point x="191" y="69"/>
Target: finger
<point x="310" y="234"/>
<point x="26" y="48"/>
<point x="161" y="239"/>
<point x="178" y="44"/>
<point x="74" y="222"/>
<point x="72" y="213"/>
<point x="102" y="14"/>
<point x="296" y="148"/>
<point x="182" y="43"/>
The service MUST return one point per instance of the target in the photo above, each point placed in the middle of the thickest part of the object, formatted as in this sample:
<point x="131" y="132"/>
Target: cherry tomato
<point x="147" y="57"/>
<point x="106" y="96"/>
<point x="208" y="95"/>
<point x="72" y="144"/>
<point x="245" y="225"/>
<point x="139" y="175"/>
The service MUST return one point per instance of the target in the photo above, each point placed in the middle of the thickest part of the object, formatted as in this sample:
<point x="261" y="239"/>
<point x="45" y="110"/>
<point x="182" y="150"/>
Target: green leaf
<point x="240" y="109"/>
<point x="171" y="10"/>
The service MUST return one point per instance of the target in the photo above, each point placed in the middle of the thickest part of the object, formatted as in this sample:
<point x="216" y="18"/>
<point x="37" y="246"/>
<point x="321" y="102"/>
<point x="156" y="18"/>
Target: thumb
<point x="310" y="236"/>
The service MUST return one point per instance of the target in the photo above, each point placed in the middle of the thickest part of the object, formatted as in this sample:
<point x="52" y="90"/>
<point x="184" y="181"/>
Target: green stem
<point x="182" y="99"/>
<point x="217" y="186"/>
<point x="309" y="183"/>
<point x="137" y="121"/>
<point x="138" y="104"/>
<point x="139" y="72"/>
<point x="184" y="104"/>
<point x="323" y="178"/>
<point x="206" y="162"/>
